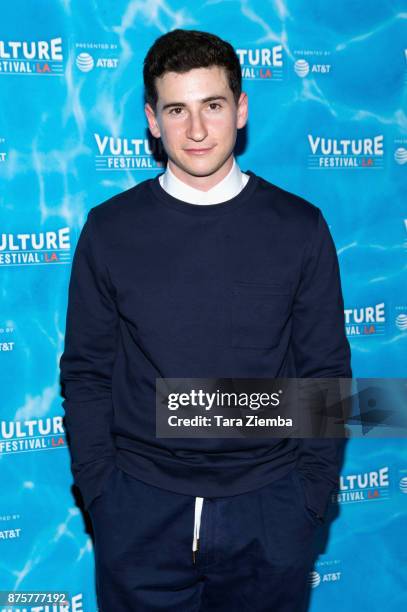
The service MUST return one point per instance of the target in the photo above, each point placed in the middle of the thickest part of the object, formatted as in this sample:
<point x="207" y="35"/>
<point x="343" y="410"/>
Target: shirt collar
<point x="226" y="189"/>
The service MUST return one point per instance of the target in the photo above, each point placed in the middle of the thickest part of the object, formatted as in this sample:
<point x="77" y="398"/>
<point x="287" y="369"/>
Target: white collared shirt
<point x="227" y="188"/>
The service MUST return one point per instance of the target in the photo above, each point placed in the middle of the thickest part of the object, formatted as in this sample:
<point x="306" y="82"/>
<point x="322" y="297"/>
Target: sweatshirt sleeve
<point x="86" y="365"/>
<point x="321" y="350"/>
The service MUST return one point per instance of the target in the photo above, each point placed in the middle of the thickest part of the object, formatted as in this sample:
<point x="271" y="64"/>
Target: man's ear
<point x="152" y="121"/>
<point x="242" y="110"/>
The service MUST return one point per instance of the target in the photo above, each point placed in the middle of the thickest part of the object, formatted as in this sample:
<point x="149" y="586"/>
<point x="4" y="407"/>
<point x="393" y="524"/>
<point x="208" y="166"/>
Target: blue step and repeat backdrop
<point x="327" y="87"/>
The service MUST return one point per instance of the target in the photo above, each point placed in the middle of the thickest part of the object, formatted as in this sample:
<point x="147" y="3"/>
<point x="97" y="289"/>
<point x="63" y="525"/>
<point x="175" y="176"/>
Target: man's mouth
<point x="198" y="151"/>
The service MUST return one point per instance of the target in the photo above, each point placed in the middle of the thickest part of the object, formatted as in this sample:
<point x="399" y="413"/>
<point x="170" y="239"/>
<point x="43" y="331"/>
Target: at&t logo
<point x="403" y="484"/>
<point x="85" y="62"/>
<point x="301" y="68"/>
<point x="314" y="579"/>
<point x="96" y="55"/>
<point x="400" y="156"/>
<point x="311" y="61"/>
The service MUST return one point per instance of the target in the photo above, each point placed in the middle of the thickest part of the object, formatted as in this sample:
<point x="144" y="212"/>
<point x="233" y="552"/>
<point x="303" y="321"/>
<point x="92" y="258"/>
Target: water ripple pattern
<point x="327" y="89"/>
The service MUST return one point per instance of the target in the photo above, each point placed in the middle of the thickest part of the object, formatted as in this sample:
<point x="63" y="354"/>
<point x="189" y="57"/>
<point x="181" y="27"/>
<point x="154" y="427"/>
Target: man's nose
<point x="196" y="128"/>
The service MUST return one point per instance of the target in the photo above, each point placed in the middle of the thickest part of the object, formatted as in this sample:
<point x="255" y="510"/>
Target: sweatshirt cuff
<point x="91" y="478"/>
<point x="317" y="492"/>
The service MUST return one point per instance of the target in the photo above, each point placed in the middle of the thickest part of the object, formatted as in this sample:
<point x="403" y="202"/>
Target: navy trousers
<point x="255" y="549"/>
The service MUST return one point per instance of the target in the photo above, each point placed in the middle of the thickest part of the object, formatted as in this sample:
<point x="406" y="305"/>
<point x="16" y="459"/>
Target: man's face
<point x="197" y="119"/>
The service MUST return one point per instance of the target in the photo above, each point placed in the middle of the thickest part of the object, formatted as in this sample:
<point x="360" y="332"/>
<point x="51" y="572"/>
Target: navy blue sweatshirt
<point x="248" y="288"/>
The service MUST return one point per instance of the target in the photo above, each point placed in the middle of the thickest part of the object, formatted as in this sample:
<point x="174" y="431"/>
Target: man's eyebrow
<point x="203" y="101"/>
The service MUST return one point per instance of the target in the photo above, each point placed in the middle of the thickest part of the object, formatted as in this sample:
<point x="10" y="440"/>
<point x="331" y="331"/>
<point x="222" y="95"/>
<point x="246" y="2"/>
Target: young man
<point x="201" y="272"/>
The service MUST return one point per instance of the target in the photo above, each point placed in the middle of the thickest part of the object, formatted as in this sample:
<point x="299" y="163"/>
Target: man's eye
<point x="214" y="105"/>
<point x="174" y="111"/>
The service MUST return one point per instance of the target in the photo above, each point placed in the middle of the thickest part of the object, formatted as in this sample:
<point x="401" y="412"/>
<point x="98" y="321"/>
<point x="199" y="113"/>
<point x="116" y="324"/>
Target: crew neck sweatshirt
<point x="248" y="288"/>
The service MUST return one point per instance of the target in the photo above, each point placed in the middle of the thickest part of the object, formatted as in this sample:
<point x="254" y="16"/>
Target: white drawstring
<point x="197" y="525"/>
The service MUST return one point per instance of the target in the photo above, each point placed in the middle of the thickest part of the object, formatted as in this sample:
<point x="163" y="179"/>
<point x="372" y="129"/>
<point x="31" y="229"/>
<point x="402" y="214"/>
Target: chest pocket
<point x="259" y="313"/>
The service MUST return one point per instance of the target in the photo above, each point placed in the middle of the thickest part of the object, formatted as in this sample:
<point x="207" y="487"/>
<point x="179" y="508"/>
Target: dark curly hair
<point x="183" y="50"/>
